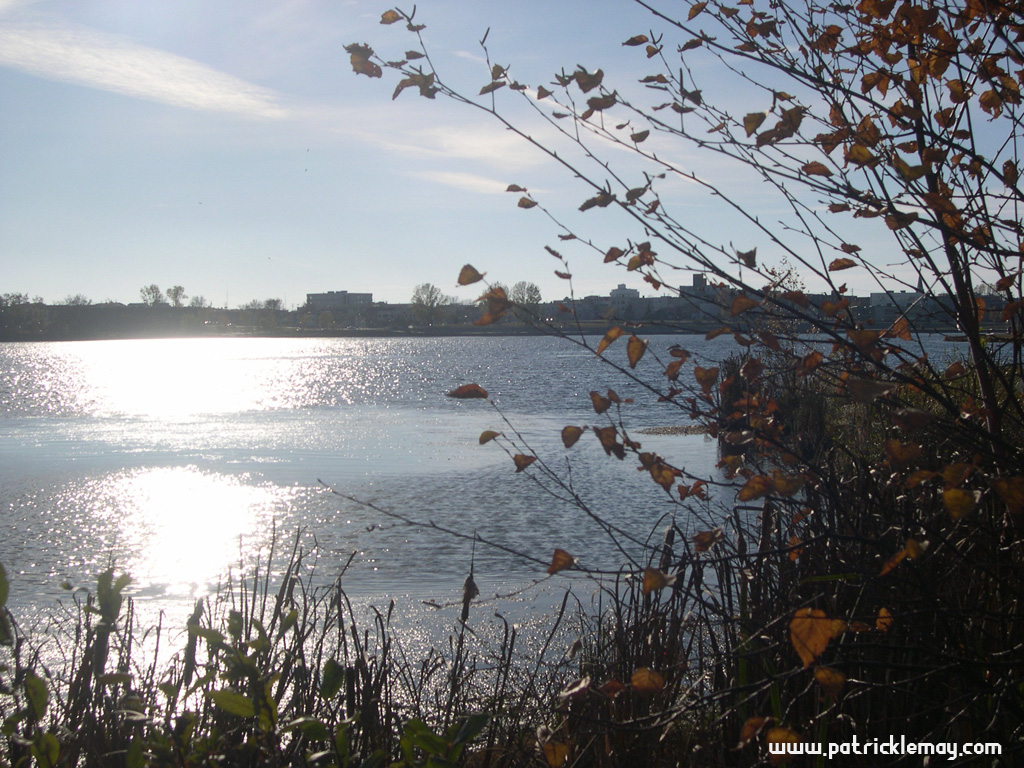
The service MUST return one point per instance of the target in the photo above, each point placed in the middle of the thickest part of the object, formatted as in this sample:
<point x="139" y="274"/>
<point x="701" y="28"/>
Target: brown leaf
<point x="635" y="349"/>
<point x="706" y="377"/>
<point x="522" y="461"/>
<point x="570" y="435"/>
<point x="816" y="169"/>
<point x="646" y="681"/>
<point x="560" y="561"/>
<point x="901" y="454"/>
<point x="639" y="136"/>
<point x="705" y="540"/>
<point x="831" y="680"/>
<point x="810" y="631"/>
<point x="912" y="419"/>
<point x="492" y="86"/>
<point x="839" y="264"/>
<point x="600" y="402"/>
<point x="586" y="81"/>
<point x="609" y="337"/>
<point x="390" y="17"/>
<point x="780" y="736"/>
<point x="468" y="391"/>
<point x="556" y="753"/>
<point x="637" y="40"/>
<point x="695" y="10"/>
<point x="752" y="122"/>
<point x="741" y="304"/>
<point x="750" y="730"/>
<point x="959" y="502"/>
<point x="525" y="202"/>
<point x="1011" y="491"/>
<point x="468" y="275"/>
<point x="487" y="435"/>
<point x="655" y="580"/>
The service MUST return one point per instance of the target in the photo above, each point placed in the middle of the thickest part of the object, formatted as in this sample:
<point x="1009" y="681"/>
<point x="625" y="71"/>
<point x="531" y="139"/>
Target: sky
<point x="227" y="146"/>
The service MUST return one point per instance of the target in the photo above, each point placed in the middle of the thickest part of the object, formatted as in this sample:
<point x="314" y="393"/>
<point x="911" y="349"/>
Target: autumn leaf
<point x="639" y="136"/>
<point x="810" y="631"/>
<point x="959" y="502"/>
<point x="600" y="402"/>
<point x="884" y="621"/>
<point x="655" y="580"/>
<point x="609" y="337"/>
<point x="390" y="17"/>
<point x="560" y="561"/>
<point x="522" y="461"/>
<point x="831" y="680"/>
<point x="912" y="419"/>
<point x="840" y="264"/>
<point x="695" y="9"/>
<point x="556" y="753"/>
<point x="780" y="737"/>
<point x="816" y="169"/>
<point x="637" y="40"/>
<point x="635" y="349"/>
<point x="741" y="304"/>
<point x="646" y="681"/>
<point x="487" y="435"/>
<point x="750" y="729"/>
<point x="1011" y="491"/>
<point x="570" y="435"/>
<point x="468" y="275"/>
<point x="492" y="86"/>
<point x="755" y="488"/>
<point x="705" y="540"/>
<point x="525" y="202"/>
<point x="901" y="454"/>
<point x="706" y="377"/>
<point x="468" y="391"/>
<point x="752" y="122"/>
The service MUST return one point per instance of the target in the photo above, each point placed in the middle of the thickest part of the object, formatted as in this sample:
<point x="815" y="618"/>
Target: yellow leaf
<point x="695" y="9"/>
<point x="858" y="154"/>
<point x="522" y="461"/>
<point x="556" y="753"/>
<point x="884" y="621"/>
<point x="635" y="349"/>
<point x="755" y="488"/>
<point x="655" y="580"/>
<point x="390" y="17"/>
<point x="560" y="561"/>
<point x="487" y="435"/>
<point x="570" y="435"/>
<point x="959" y="502"/>
<point x="612" y="335"/>
<point x="810" y="631"/>
<point x="781" y="736"/>
<point x="831" y="680"/>
<point x="468" y="275"/>
<point x="646" y="680"/>
<point x="706" y="377"/>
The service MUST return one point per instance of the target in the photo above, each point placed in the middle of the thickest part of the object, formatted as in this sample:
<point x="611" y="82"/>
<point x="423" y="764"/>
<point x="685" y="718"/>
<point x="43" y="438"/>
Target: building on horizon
<point x="334" y="300"/>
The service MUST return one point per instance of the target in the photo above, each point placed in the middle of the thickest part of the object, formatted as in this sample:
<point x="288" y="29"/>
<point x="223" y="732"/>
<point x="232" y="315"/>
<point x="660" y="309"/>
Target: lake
<point x="177" y="460"/>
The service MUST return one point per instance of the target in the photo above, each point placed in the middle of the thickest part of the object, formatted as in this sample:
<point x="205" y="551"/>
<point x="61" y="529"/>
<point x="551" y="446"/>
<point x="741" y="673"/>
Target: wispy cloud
<point x="97" y="60"/>
<point x="470" y="182"/>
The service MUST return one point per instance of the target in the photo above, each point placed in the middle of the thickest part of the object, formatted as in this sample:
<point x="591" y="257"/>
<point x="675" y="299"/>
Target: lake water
<point x="176" y="460"/>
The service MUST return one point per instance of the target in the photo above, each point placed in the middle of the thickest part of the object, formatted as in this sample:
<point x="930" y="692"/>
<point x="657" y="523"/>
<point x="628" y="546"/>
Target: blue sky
<point x="228" y="147"/>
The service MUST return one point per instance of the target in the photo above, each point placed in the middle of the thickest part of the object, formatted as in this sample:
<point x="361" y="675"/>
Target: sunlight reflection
<point x="186" y="528"/>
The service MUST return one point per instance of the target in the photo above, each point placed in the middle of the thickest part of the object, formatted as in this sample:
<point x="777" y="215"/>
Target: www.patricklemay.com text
<point x="893" y="745"/>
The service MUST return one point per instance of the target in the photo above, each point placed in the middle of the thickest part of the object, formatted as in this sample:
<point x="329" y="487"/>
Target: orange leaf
<point x="840" y="264"/>
<point x="468" y="275"/>
<point x="560" y="561"/>
<point x="570" y="435"/>
<point x="487" y="435"/>
<point x="646" y="680"/>
<point x="655" y="580"/>
<point x="612" y="335"/>
<point x="884" y="621"/>
<point x="695" y="9"/>
<point x="780" y="737"/>
<point x="810" y="631"/>
<point x="612" y="688"/>
<point x="705" y="540"/>
<point x="635" y="349"/>
<point x="522" y="461"/>
<point x="893" y="561"/>
<point x="831" y="680"/>
<point x="468" y="391"/>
